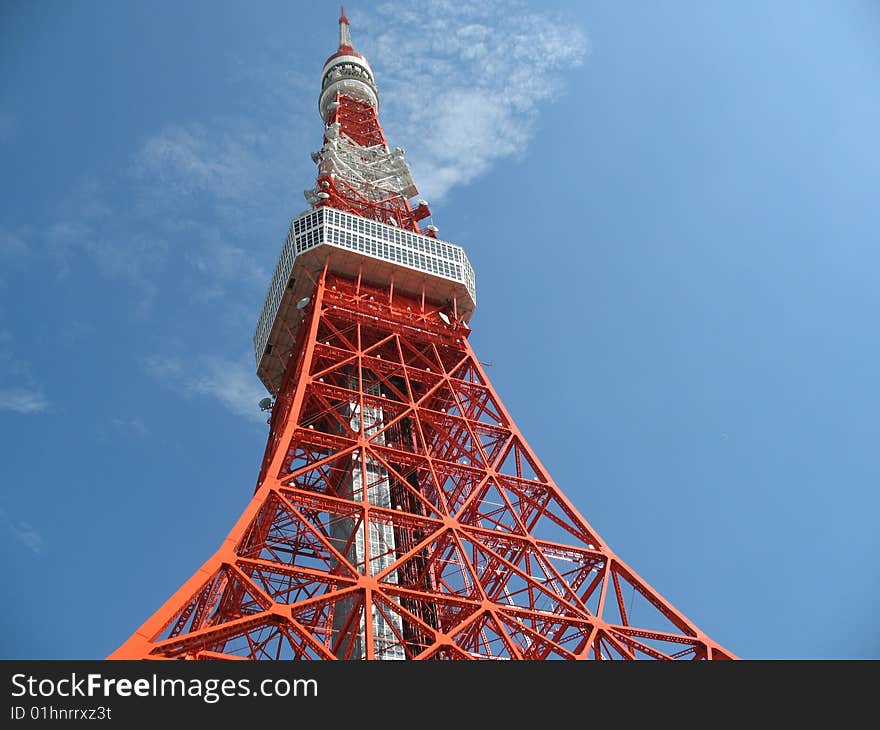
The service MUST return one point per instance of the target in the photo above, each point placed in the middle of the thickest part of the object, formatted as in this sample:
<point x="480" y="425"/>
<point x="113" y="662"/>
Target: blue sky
<point x="672" y="209"/>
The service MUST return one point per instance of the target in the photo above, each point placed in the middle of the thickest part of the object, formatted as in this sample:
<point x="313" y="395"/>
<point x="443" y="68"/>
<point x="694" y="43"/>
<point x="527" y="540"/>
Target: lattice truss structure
<point x="401" y="515"/>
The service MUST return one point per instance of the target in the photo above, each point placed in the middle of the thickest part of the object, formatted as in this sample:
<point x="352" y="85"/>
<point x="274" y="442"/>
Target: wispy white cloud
<point x="133" y="426"/>
<point x="234" y="166"/>
<point x="221" y="186"/>
<point x="117" y="254"/>
<point x="218" y="259"/>
<point x="22" y="400"/>
<point x="229" y="277"/>
<point x="217" y="160"/>
<point x="23" y="532"/>
<point x="26" y="397"/>
<point x="462" y="83"/>
<point x="231" y="382"/>
<point x="92" y="225"/>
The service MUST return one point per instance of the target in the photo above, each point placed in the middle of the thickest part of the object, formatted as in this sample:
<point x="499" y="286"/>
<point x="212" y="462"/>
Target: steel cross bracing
<point x="401" y="514"/>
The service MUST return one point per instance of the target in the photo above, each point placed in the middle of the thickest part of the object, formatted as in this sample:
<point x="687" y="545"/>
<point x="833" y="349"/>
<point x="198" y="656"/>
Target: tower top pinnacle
<point x="346" y="72"/>
<point x="345" y="43"/>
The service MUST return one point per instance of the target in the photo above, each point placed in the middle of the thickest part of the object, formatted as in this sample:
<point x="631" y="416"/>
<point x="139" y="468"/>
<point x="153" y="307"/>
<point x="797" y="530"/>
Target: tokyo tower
<point x="399" y="513"/>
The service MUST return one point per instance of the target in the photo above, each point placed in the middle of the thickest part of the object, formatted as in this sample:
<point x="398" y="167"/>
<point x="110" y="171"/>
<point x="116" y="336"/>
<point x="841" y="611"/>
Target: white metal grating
<point x="327" y="226"/>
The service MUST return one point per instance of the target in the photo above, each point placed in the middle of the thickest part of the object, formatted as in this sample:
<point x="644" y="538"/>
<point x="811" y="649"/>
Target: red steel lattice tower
<point x="399" y="513"/>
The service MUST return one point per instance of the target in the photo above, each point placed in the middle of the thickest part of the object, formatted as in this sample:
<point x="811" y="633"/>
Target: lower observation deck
<point x="351" y="245"/>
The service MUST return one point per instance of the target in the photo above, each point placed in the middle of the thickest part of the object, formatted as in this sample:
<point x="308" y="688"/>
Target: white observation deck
<point x="349" y="244"/>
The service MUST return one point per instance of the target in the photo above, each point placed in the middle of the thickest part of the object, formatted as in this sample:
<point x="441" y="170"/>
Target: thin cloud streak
<point x="27" y="396"/>
<point x="222" y="161"/>
<point x="133" y="426"/>
<point x="23" y="400"/>
<point x="232" y="383"/>
<point x="23" y="533"/>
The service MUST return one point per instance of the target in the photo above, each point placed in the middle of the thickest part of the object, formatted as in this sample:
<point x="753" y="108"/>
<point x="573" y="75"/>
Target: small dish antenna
<point x="266" y="404"/>
<point x="303" y="303"/>
<point x="443" y="316"/>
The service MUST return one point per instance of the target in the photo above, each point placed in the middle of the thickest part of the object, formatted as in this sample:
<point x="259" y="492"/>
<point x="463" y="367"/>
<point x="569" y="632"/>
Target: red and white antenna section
<point x="357" y="172"/>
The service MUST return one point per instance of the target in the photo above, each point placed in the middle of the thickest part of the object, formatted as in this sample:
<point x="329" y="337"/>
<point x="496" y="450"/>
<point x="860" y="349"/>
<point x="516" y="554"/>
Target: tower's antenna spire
<point x="344" y="33"/>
